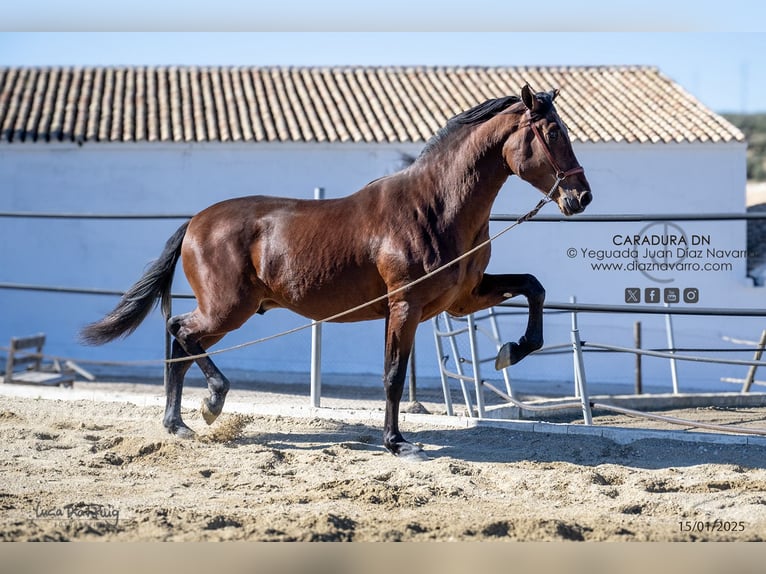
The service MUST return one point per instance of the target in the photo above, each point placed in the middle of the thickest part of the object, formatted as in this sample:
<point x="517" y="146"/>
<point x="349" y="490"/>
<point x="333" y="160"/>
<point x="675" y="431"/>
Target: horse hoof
<point x="207" y="414"/>
<point x="182" y="431"/>
<point x="505" y="356"/>
<point x="411" y="453"/>
<point x="511" y="353"/>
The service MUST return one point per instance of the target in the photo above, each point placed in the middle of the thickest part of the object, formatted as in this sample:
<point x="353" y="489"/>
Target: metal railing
<point x="316" y="338"/>
<point x="577" y="347"/>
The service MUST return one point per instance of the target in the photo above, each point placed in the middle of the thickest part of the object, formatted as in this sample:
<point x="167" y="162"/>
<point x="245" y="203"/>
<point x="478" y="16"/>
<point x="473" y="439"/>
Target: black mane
<point x="475" y="115"/>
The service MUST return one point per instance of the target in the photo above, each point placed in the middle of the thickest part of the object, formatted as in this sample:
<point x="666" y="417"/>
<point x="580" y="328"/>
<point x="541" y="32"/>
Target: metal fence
<point x="578" y="346"/>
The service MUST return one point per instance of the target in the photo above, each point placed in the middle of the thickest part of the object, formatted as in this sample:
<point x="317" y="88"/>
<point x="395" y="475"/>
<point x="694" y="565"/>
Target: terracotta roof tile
<point x="339" y="104"/>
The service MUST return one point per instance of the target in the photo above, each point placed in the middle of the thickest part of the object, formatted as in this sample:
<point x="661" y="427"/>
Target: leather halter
<point x="560" y="174"/>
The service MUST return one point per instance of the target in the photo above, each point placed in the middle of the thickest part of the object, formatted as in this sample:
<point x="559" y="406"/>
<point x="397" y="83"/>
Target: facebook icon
<point x="652" y="294"/>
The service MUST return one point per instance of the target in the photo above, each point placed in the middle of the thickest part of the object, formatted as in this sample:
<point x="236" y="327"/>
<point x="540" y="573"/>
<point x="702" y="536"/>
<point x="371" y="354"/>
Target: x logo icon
<point x="632" y="295"/>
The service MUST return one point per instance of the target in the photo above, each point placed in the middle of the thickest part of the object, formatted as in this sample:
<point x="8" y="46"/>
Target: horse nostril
<point x="572" y="206"/>
<point x="586" y="198"/>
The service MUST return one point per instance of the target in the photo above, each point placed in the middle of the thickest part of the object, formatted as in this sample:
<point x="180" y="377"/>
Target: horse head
<point x="540" y="152"/>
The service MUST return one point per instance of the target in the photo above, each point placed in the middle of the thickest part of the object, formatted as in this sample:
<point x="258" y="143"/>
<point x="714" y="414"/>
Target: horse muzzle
<point x="572" y="202"/>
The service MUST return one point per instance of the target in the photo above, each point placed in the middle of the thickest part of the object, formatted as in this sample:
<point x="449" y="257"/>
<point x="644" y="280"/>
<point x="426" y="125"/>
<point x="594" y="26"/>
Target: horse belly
<point x="321" y="296"/>
<point x="320" y="281"/>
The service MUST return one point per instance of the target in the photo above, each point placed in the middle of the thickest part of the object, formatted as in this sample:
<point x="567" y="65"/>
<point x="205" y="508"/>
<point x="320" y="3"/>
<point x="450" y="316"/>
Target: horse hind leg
<point x="218" y="384"/>
<point x="172" y="420"/>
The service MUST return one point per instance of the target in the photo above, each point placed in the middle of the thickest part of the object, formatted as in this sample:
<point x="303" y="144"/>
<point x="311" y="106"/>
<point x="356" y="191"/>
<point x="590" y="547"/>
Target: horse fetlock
<point x="531" y="344"/>
<point x="220" y="385"/>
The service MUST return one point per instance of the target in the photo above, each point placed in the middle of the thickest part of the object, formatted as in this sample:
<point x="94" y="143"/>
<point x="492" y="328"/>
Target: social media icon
<point x="691" y="295"/>
<point x="652" y="294"/>
<point x="671" y="295"/>
<point x="632" y="294"/>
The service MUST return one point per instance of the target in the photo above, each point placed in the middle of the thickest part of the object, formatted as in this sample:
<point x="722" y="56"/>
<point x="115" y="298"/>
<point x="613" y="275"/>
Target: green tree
<point x="754" y="128"/>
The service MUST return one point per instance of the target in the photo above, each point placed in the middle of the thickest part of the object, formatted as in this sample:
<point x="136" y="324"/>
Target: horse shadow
<point x="498" y="445"/>
<point x="509" y="446"/>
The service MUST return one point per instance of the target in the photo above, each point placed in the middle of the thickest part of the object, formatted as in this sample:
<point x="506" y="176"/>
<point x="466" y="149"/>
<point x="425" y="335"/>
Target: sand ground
<point x="95" y="470"/>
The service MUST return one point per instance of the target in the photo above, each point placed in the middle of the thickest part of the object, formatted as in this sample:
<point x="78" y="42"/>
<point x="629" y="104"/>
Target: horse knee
<point x="534" y="287"/>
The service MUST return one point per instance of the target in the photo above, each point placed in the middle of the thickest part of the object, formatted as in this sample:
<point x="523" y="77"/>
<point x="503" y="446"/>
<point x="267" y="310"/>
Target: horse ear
<point x="528" y="97"/>
<point x="554" y="92"/>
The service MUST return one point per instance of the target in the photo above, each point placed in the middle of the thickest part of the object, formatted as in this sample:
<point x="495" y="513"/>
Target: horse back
<point x="315" y="257"/>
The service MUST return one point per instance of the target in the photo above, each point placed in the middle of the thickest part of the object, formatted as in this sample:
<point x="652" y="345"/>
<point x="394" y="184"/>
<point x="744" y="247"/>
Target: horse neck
<point x="470" y="171"/>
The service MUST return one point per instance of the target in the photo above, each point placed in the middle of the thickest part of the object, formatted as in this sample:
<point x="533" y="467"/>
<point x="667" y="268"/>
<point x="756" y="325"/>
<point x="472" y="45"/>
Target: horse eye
<point x="553" y="135"/>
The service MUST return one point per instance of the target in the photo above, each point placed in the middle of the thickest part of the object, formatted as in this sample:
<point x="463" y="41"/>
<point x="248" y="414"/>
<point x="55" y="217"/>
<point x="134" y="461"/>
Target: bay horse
<point x="320" y="257"/>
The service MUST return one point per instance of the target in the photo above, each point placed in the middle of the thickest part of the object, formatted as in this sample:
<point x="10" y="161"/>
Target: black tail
<point x="140" y="299"/>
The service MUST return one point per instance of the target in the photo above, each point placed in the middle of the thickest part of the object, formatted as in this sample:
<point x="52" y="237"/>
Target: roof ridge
<point x="449" y="67"/>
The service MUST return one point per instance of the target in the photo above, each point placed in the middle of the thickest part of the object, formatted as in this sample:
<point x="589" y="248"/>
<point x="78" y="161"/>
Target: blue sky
<point x="391" y="15"/>
<point x="716" y="57"/>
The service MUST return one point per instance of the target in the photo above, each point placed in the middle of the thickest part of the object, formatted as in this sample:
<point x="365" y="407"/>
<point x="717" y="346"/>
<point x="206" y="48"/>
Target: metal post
<point x="757" y="357"/>
<point x="581" y="388"/>
<point x="476" y="366"/>
<point x="637" y="337"/>
<point x="316" y="364"/>
<point x="166" y="372"/>
<point x="411" y="371"/>
<point x="168" y="346"/>
<point x="499" y="344"/>
<point x="672" y="346"/>
<point x="442" y="358"/>
<point x="573" y="300"/>
<point x="316" y="344"/>
<point x="458" y="364"/>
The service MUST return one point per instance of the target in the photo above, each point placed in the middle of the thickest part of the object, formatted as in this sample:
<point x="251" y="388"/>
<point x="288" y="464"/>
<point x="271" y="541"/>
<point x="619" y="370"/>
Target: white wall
<point x="184" y="178"/>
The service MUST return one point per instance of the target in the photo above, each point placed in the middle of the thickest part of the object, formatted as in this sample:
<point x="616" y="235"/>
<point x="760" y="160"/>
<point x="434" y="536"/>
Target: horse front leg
<point x="494" y="289"/>
<point x="401" y="325"/>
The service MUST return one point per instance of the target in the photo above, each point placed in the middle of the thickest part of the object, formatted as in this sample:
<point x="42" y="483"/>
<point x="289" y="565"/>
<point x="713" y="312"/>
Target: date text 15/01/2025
<point x="711" y="526"/>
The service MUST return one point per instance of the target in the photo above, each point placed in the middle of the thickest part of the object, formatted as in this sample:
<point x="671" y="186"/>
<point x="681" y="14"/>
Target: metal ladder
<point x="466" y="367"/>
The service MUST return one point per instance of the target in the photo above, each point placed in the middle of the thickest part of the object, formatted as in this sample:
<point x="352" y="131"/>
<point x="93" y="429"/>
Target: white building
<point x="175" y="140"/>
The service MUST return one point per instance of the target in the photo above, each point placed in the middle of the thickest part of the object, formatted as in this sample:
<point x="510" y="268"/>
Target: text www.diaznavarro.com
<point x="660" y="266"/>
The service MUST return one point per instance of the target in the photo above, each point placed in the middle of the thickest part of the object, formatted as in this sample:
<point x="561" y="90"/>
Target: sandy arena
<point x="107" y="471"/>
